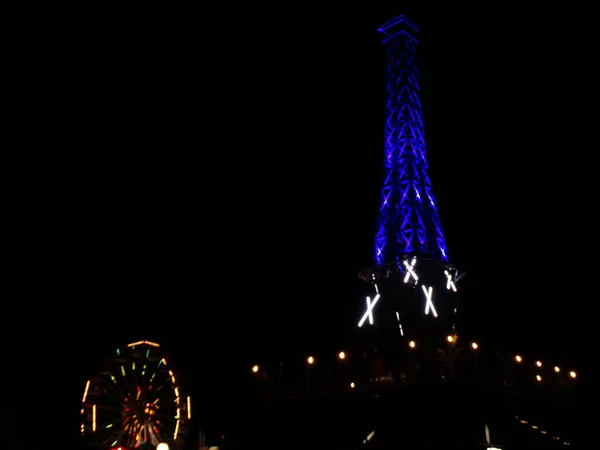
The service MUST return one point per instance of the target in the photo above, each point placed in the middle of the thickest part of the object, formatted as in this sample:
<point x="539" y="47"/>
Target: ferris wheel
<point x="135" y="402"/>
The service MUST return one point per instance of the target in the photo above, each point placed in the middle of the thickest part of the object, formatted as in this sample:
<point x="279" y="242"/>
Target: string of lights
<point x="543" y="431"/>
<point x="533" y="369"/>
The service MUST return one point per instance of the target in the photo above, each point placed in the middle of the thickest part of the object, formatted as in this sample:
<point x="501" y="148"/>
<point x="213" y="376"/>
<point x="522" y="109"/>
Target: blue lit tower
<point x="409" y="240"/>
<point x="409" y="223"/>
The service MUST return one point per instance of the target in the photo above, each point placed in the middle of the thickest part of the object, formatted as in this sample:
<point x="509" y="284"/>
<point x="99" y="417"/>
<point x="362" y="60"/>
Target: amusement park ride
<point x="137" y="402"/>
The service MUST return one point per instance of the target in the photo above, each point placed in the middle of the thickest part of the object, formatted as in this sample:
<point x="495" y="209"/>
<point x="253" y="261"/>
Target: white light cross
<point x="429" y="304"/>
<point x="369" y="312"/>
<point x="449" y="283"/>
<point x="409" y="270"/>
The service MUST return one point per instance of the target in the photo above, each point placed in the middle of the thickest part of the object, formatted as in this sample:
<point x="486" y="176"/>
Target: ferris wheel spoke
<point x="153" y="437"/>
<point x="108" y="427"/>
<point x="134" y="372"/>
<point x="115" y="391"/>
<point x="115" y="394"/>
<point x="109" y="408"/>
<point x="156" y="384"/>
<point x="123" y="376"/>
<point x="153" y="376"/>
<point x="143" y="378"/>
<point x="127" y="384"/>
<point x="114" y="438"/>
<point x="114" y="386"/>
<point x="162" y="385"/>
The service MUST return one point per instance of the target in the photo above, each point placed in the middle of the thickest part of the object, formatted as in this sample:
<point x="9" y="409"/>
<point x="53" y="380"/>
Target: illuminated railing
<point x="450" y="361"/>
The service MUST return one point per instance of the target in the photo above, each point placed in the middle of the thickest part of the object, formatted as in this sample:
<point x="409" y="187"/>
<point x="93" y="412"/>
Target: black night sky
<point x="210" y="179"/>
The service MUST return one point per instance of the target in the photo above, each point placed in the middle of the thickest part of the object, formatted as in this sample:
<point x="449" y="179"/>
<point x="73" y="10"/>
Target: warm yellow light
<point x="174" y="434"/>
<point x="538" y="377"/>
<point x="85" y="393"/>
<point x="310" y="360"/>
<point x="162" y="446"/>
<point x="352" y="385"/>
<point x="556" y="369"/>
<point x="474" y="345"/>
<point x="573" y="374"/>
<point x="538" y="363"/>
<point x="518" y="358"/>
<point x="134" y="344"/>
<point x="342" y="355"/>
<point x="412" y="344"/>
<point x="255" y="368"/>
<point x="450" y="338"/>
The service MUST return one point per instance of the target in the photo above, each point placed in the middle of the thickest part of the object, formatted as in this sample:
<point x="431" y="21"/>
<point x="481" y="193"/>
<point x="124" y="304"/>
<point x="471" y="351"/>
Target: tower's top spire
<point x="399" y="25"/>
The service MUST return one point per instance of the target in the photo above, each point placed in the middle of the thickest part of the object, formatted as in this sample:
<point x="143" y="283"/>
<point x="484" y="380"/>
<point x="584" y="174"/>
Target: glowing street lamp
<point x="557" y="369"/>
<point x="538" y="363"/>
<point x="518" y="358"/>
<point x="309" y="363"/>
<point x="475" y="346"/>
<point x="341" y="356"/>
<point x="352" y="385"/>
<point x="411" y="346"/>
<point x="538" y="378"/>
<point x="451" y="353"/>
<point x="255" y="369"/>
<point x="573" y="374"/>
<point x="162" y="446"/>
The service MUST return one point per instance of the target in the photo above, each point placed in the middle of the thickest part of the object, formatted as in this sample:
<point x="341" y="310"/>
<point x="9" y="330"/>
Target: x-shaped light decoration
<point x="410" y="272"/>
<point x="428" y="291"/>
<point x="449" y="281"/>
<point x="369" y="312"/>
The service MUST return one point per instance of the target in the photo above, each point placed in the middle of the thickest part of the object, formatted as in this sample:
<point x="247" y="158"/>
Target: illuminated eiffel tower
<point x="409" y="242"/>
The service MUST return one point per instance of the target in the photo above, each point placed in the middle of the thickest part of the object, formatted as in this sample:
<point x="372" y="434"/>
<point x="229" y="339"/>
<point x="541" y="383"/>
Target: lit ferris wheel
<point x="136" y="402"/>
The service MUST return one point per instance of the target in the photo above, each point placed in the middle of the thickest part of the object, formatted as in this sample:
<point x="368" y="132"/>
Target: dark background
<point x="210" y="179"/>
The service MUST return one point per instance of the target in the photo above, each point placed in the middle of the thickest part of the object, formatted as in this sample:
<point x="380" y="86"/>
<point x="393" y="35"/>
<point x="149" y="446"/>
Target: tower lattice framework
<point x="409" y="222"/>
